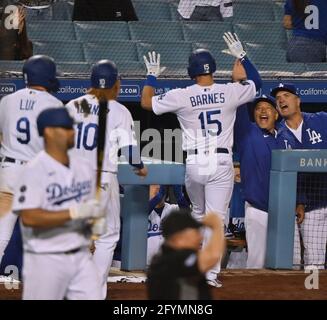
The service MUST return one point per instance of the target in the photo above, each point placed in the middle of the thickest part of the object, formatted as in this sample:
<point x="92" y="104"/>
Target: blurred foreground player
<point x="178" y="271"/>
<point x="55" y="198"/>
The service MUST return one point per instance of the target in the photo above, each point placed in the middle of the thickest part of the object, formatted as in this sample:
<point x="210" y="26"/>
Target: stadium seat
<point x="270" y="32"/>
<point x="101" y="31"/>
<point x="82" y="68"/>
<point x="60" y="50"/>
<point x="217" y="49"/>
<point x="253" y="11"/>
<point x="152" y="11"/>
<point x="278" y="8"/>
<point x="316" y="70"/>
<point x="206" y="31"/>
<point x="62" y="11"/>
<point x="172" y="52"/>
<point x="51" y="31"/>
<point x="11" y="66"/>
<point x="281" y="70"/>
<point x="266" y="53"/>
<point x="156" y="31"/>
<point x="175" y="16"/>
<point x="113" y="50"/>
<point x="131" y="68"/>
<point x="175" y="70"/>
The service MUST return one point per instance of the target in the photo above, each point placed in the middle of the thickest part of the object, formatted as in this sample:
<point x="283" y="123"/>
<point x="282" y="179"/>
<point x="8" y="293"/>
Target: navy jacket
<point x="254" y="146"/>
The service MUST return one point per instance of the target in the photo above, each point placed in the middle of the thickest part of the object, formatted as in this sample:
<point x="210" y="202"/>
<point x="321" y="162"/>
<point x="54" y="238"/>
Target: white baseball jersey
<point x="50" y="185"/>
<point x="155" y="239"/>
<point x="206" y="114"/>
<point x="119" y="131"/>
<point x="18" y="114"/>
<point x="186" y="7"/>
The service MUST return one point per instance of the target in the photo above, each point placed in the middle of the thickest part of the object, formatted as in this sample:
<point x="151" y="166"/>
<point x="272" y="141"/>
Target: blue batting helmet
<point x="40" y="70"/>
<point x="104" y="74"/>
<point x="54" y="117"/>
<point x="201" y="62"/>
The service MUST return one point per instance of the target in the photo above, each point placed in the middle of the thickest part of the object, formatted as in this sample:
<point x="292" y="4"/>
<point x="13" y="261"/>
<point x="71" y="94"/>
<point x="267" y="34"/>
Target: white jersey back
<point x="155" y="239"/>
<point x="49" y="185"/>
<point x="18" y="114"/>
<point x="119" y="132"/>
<point x="206" y="114"/>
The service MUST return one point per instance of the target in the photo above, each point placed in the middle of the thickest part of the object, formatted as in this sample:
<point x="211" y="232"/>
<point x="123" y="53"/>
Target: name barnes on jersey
<point x="209" y="98"/>
<point x="58" y="194"/>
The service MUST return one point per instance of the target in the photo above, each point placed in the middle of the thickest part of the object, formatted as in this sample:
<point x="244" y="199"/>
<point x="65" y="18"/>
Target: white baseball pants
<point x="106" y="244"/>
<point x="209" y="182"/>
<point x="57" y="276"/>
<point x="256" y="227"/>
<point x="314" y="234"/>
<point x="9" y="174"/>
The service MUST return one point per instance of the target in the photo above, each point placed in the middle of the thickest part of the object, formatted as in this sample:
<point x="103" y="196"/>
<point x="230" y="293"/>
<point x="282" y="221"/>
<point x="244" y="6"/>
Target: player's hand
<point x="87" y="209"/>
<point x="300" y="212"/>
<point x="212" y="220"/>
<point x="99" y="227"/>
<point x="153" y="64"/>
<point x="234" y="45"/>
<point x="141" y="172"/>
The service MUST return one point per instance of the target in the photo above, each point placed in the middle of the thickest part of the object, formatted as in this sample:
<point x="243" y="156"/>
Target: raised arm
<point x="153" y="71"/>
<point x="236" y="49"/>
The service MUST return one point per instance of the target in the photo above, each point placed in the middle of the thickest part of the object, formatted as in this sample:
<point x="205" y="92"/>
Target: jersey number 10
<point x="87" y="136"/>
<point x="206" y="118"/>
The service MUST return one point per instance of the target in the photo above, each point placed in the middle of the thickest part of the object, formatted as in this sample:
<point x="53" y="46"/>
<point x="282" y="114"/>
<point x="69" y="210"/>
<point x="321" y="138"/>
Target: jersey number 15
<point x="207" y="118"/>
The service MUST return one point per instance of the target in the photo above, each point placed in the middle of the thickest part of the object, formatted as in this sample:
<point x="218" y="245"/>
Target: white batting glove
<point x="153" y="64"/>
<point x="87" y="209"/>
<point x="234" y="45"/>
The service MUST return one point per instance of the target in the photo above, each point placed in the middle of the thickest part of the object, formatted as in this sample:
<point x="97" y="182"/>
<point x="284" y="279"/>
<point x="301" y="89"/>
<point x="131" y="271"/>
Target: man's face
<point x="63" y="137"/>
<point x="265" y="115"/>
<point x="288" y="104"/>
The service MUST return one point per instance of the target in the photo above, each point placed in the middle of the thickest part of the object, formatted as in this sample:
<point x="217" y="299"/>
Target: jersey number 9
<point x="23" y="127"/>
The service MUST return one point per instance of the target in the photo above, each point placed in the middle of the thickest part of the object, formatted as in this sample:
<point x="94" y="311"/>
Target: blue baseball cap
<point x="271" y="100"/>
<point x="284" y="87"/>
<point x="54" y="117"/>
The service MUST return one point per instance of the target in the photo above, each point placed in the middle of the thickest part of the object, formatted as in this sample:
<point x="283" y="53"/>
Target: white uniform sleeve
<point x="167" y="102"/>
<point x="243" y="92"/>
<point x="28" y="192"/>
<point x="125" y="132"/>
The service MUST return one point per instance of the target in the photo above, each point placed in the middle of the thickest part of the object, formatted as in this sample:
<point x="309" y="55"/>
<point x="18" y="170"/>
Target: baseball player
<point x="206" y="112"/>
<point x="105" y="86"/>
<point x="20" y="140"/>
<point x="254" y="142"/>
<point x="55" y="198"/>
<point x="159" y="209"/>
<point x="306" y="131"/>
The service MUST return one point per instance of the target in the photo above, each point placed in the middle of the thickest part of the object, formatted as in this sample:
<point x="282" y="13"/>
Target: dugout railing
<point x="286" y="164"/>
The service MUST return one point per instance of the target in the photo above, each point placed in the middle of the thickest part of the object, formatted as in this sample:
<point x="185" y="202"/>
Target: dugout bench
<point x="135" y="206"/>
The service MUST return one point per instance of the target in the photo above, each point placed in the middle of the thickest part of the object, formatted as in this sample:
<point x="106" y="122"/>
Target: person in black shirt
<point x="99" y="10"/>
<point x="15" y="44"/>
<point x="177" y="272"/>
